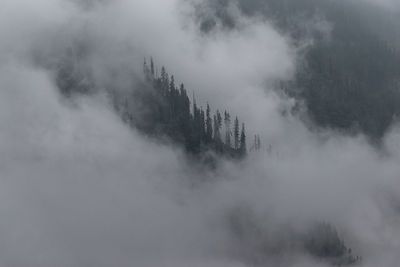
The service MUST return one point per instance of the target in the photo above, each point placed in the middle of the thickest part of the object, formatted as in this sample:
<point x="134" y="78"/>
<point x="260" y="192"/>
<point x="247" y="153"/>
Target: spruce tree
<point x="257" y="142"/>
<point x="243" y="147"/>
<point x="172" y="84"/>
<point x="217" y="127"/>
<point x="163" y="74"/>
<point x="209" y="129"/>
<point x="216" y="130"/>
<point x="202" y="126"/>
<point x="152" y="67"/>
<point x="236" y="133"/>
<point x="227" y="121"/>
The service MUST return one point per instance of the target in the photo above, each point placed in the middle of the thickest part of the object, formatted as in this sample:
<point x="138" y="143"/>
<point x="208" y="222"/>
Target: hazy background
<point x="80" y="188"/>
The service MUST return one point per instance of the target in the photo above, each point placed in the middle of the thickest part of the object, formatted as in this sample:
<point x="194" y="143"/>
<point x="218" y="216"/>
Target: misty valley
<point x="205" y="133"/>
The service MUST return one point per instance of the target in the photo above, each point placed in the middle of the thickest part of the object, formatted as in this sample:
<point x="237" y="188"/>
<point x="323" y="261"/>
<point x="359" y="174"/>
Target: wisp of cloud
<point x="78" y="187"/>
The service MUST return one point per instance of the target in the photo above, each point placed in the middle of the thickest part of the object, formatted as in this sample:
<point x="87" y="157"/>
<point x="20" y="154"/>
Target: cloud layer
<point x="79" y="188"/>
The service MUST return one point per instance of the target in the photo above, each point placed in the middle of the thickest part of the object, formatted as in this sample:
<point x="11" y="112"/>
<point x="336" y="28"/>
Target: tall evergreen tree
<point x="228" y="133"/>
<point x="202" y="126"/>
<point x="152" y="67"/>
<point x="243" y="147"/>
<point x="236" y="133"/>
<point x="257" y="143"/>
<point x="164" y="81"/>
<point x="217" y="134"/>
<point x="219" y="119"/>
<point x="172" y="84"/>
<point x="163" y="74"/>
<point x="217" y="127"/>
<point x="209" y="129"/>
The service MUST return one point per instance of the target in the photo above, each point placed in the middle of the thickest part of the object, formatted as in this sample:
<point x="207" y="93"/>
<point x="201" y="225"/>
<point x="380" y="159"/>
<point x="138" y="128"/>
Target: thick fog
<point x="78" y="187"/>
<point x="389" y="4"/>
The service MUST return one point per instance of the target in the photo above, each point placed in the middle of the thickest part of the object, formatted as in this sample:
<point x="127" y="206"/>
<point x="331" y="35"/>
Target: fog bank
<point x="81" y="188"/>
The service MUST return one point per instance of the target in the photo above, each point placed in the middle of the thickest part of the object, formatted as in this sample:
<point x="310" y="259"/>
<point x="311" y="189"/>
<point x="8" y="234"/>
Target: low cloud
<point x="79" y="187"/>
<point x="390" y="4"/>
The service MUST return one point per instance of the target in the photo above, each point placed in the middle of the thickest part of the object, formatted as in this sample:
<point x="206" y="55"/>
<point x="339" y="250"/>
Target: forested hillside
<point x="350" y="78"/>
<point x="166" y="110"/>
<point x="348" y="73"/>
<point x="107" y="159"/>
<point x="159" y="108"/>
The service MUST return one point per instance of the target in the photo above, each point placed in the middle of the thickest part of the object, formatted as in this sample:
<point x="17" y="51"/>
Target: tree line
<point x="161" y="108"/>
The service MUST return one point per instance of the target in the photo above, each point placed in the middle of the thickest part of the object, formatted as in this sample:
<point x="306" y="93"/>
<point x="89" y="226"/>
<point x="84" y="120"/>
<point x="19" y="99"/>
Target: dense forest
<point x="348" y="74"/>
<point x="166" y="111"/>
<point x="350" y="79"/>
<point x="159" y="108"/>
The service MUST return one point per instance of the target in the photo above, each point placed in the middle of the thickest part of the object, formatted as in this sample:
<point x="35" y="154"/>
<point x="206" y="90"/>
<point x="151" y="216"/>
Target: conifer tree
<point x="172" y="84"/>
<point x="209" y="129"/>
<point x="257" y="142"/>
<point x="164" y="81"/>
<point x="227" y="121"/>
<point x="202" y="125"/>
<point x="163" y="74"/>
<point x="216" y="129"/>
<point x="243" y="147"/>
<point x="194" y="108"/>
<point x="152" y="67"/>
<point x="219" y="119"/>
<point x="236" y="133"/>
